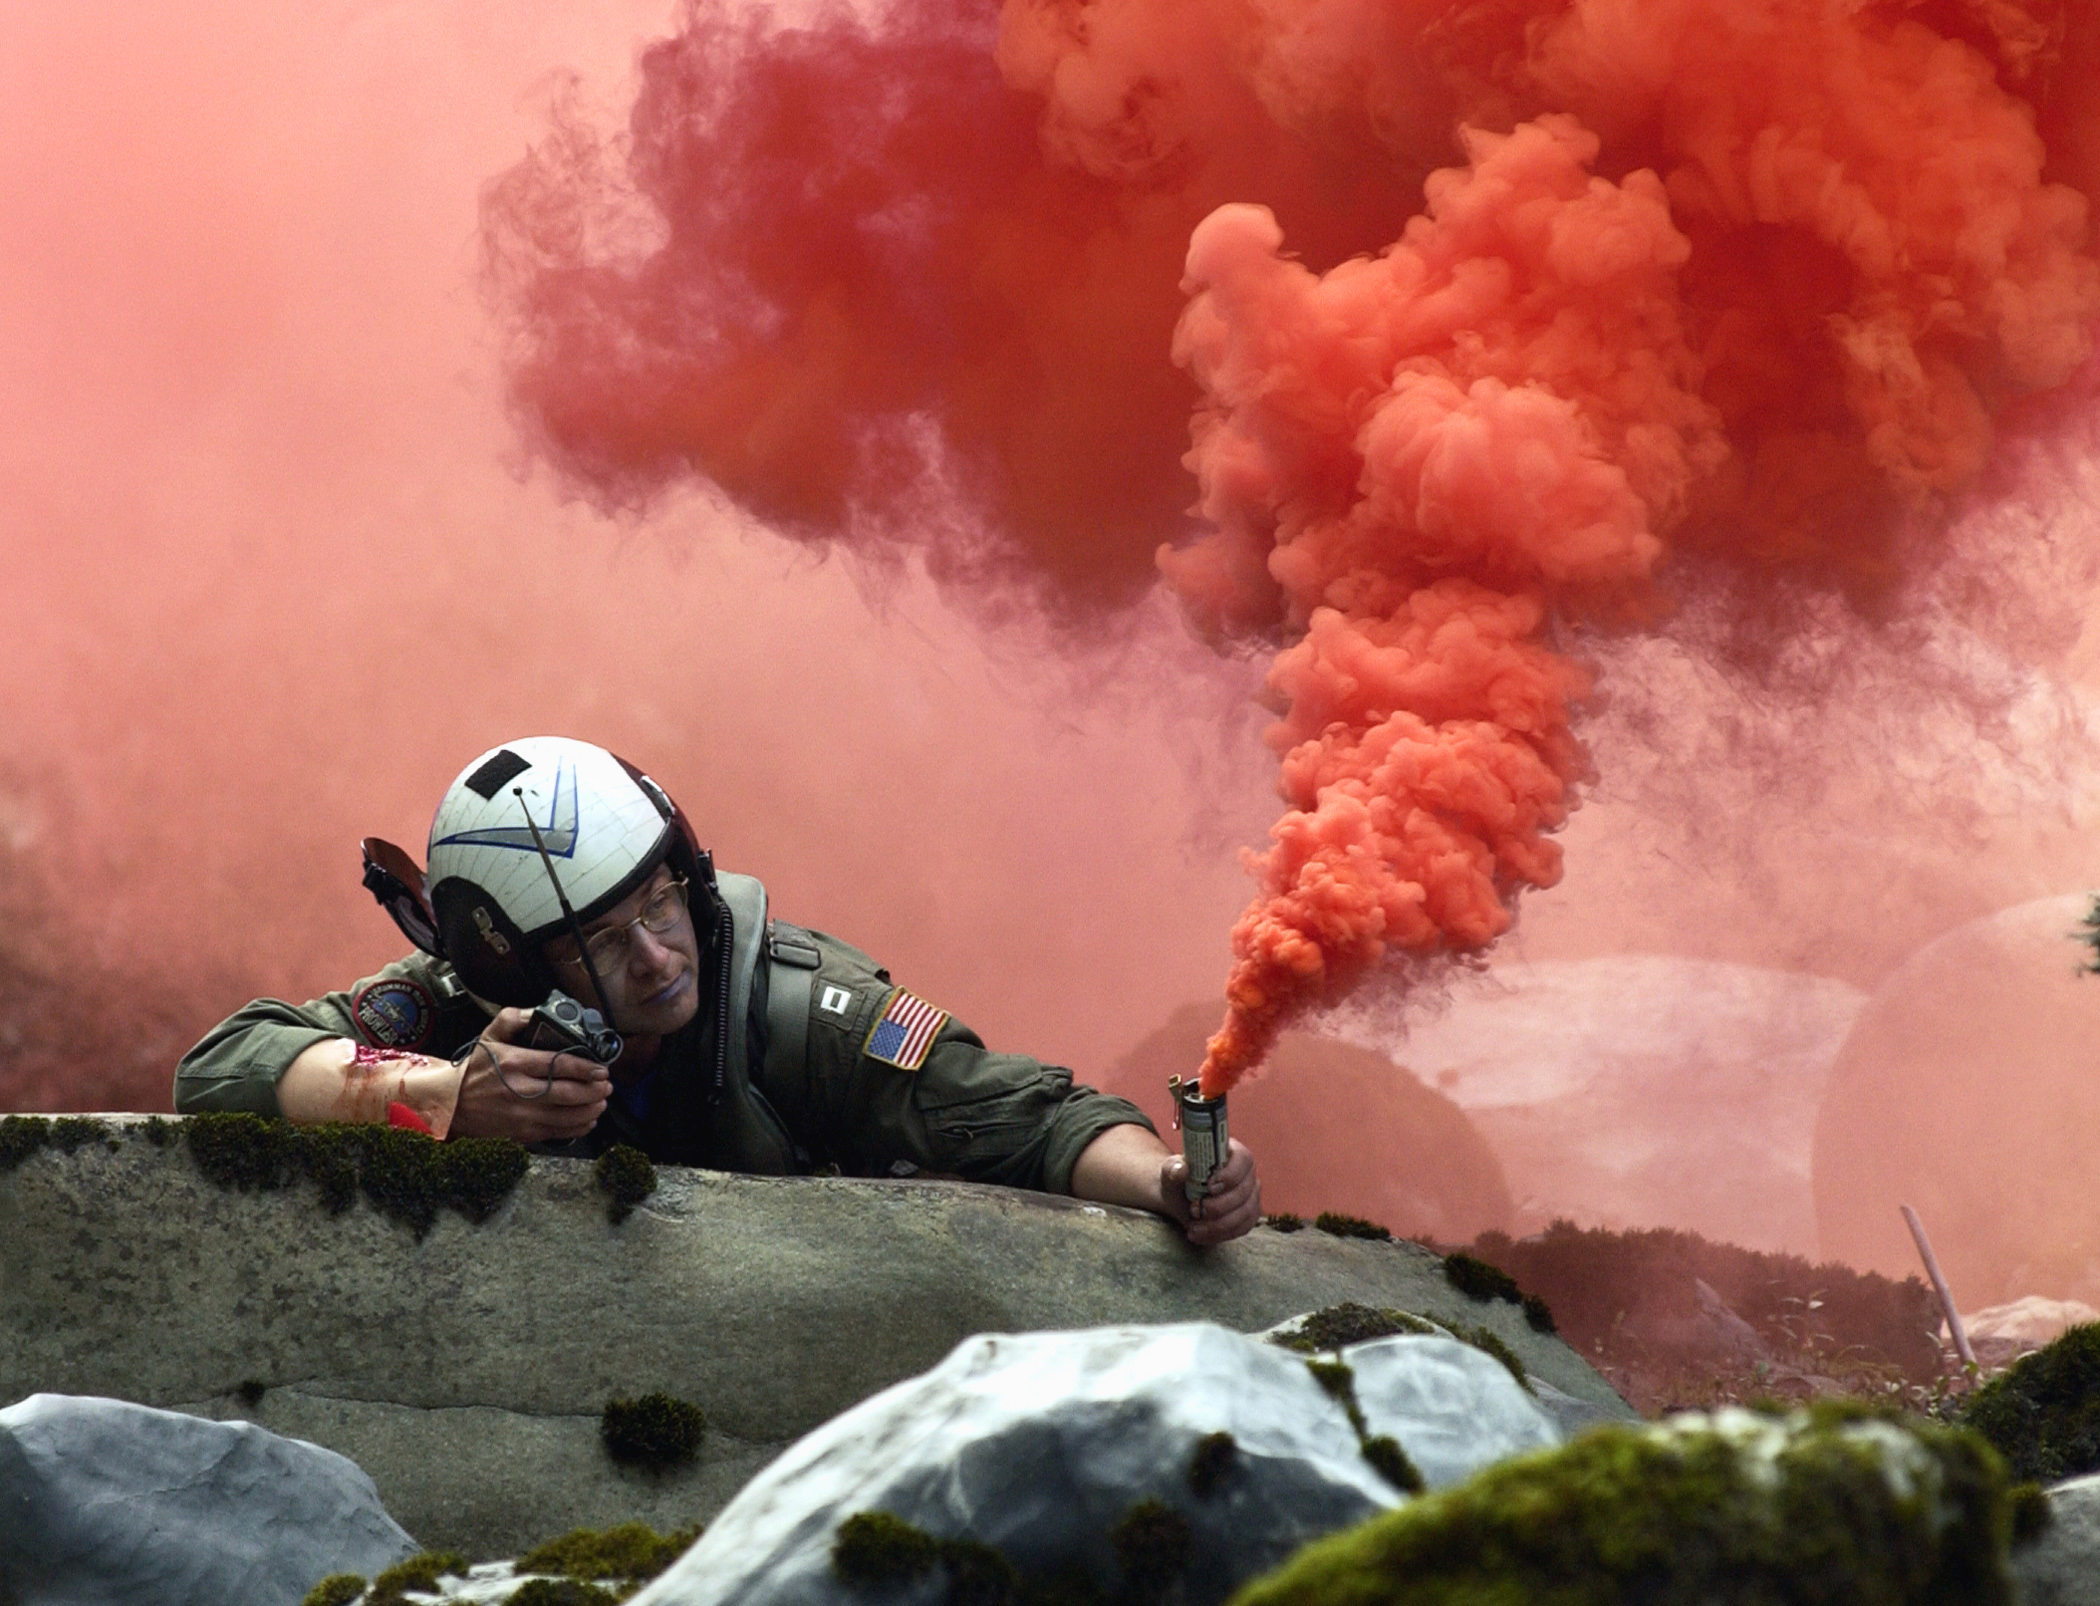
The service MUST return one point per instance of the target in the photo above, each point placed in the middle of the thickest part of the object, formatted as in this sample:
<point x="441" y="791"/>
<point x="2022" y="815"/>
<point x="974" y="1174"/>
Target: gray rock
<point x="102" y="1502"/>
<point x="465" y="1372"/>
<point x="1038" y="1444"/>
<point x="1453" y="1408"/>
<point x="2062" y="1566"/>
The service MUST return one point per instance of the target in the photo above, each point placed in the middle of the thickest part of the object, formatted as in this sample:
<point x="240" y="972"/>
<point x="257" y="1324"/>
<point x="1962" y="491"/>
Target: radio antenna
<point x="561" y="897"/>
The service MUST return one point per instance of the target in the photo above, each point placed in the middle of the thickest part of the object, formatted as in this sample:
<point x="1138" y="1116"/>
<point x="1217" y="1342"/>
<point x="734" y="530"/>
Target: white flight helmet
<point x="532" y="825"/>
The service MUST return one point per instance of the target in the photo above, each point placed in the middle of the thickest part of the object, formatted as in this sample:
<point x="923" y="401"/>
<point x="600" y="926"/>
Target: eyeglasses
<point x="609" y="948"/>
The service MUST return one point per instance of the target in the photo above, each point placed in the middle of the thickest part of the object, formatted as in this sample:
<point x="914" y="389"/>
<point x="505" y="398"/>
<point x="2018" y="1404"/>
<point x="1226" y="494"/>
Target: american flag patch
<point x="906" y="1031"/>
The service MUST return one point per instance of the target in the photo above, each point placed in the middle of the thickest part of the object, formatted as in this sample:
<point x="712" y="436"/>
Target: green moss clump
<point x="627" y="1177"/>
<point x="2031" y="1515"/>
<point x="560" y="1592"/>
<point x="71" y="1132"/>
<point x="405" y="1176"/>
<point x="1481" y="1339"/>
<point x="2043" y="1413"/>
<point x="1729" y="1510"/>
<point x="632" y="1550"/>
<point x="874" y="1550"/>
<point x="161" y="1132"/>
<point x="1393" y="1464"/>
<point x="337" y="1589"/>
<point x="20" y="1137"/>
<point x="1152" y="1542"/>
<point x="656" y="1432"/>
<point x="1348" y="1323"/>
<point x="1539" y="1314"/>
<point x="1476" y="1279"/>
<point x="1341" y="1226"/>
<point x="236" y="1149"/>
<point x="1216" y="1454"/>
<point x="478" y="1174"/>
<point x="1284" y="1221"/>
<point x="1340" y="1384"/>
<point x="419" y="1573"/>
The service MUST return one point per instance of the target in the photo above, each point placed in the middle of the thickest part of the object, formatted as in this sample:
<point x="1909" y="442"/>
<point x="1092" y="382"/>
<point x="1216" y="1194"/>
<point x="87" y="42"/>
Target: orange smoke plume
<point x="1728" y="289"/>
<point x="1781" y="336"/>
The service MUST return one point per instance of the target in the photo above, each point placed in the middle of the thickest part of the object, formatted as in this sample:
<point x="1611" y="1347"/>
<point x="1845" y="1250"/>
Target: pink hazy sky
<point x="274" y="574"/>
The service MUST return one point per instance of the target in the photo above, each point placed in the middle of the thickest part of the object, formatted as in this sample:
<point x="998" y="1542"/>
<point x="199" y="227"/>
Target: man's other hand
<point x="1128" y="1165"/>
<point x="529" y="1094"/>
<point x="1228" y="1210"/>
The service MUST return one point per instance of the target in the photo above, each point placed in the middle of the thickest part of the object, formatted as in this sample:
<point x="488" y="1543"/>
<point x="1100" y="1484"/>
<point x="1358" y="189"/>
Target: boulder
<point x="104" y="1501"/>
<point x="2061" y="1567"/>
<point x="2001" y="1334"/>
<point x="1732" y="1509"/>
<point x="1039" y="1445"/>
<point x="1645" y="1090"/>
<point x="1966" y="1089"/>
<point x="466" y="1370"/>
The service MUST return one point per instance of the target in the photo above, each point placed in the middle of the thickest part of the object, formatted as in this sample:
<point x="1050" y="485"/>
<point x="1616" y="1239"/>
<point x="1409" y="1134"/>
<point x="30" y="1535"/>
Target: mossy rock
<point x="337" y="1589"/>
<point x="1736" y="1509"/>
<point x="2043" y="1414"/>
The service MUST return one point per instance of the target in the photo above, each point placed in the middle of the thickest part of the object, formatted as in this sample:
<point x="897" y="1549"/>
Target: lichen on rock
<point x="1724" y="1510"/>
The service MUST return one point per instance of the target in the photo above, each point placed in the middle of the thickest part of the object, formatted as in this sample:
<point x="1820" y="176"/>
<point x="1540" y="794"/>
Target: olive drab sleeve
<point x="415" y="1004"/>
<point x="890" y="1083"/>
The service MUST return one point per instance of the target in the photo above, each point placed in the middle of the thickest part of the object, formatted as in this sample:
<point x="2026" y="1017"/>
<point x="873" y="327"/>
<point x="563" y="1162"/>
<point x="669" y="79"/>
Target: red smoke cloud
<point x="1744" y="282"/>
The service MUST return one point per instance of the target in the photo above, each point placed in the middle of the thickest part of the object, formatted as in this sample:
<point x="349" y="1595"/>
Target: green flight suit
<point x="801" y="1090"/>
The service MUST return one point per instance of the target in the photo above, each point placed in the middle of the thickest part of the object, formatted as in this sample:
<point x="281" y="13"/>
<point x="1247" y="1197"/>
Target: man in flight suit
<point x="747" y="1044"/>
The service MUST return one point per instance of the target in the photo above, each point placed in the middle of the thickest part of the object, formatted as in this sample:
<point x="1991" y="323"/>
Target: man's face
<point x="653" y="983"/>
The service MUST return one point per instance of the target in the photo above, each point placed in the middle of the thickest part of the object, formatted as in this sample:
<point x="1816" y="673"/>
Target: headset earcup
<point x="486" y="949"/>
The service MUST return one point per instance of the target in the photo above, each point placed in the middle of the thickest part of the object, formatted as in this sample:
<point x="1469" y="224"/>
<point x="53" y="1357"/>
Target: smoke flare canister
<point x="1203" y="1139"/>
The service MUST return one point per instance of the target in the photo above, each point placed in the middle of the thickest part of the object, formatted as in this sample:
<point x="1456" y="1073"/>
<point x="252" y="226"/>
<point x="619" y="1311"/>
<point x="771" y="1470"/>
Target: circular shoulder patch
<point x="395" y="1013"/>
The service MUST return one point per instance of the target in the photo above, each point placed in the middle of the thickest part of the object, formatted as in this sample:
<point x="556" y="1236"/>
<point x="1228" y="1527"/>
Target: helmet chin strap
<point x="561" y="897"/>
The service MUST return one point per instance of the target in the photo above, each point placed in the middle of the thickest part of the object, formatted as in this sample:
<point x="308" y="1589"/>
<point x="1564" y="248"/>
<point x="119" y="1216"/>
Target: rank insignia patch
<point x="396" y="1013"/>
<point x="905" y="1032"/>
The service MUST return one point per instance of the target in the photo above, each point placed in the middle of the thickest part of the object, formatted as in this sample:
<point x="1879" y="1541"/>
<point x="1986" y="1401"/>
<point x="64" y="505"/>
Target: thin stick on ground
<point x="1939" y="1284"/>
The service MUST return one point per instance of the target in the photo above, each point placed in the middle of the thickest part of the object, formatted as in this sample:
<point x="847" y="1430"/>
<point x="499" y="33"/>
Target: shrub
<point x="1594" y="1278"/>
<point x="2043" y="1413"/>
<point x="656" y="1432"/>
